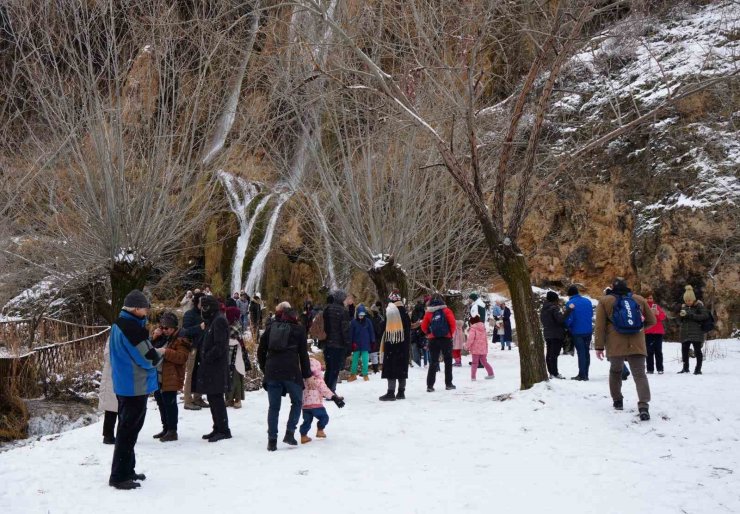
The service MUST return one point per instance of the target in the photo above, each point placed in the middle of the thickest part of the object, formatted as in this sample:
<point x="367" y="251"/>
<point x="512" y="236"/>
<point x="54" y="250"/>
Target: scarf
<point x="393" y="325"/>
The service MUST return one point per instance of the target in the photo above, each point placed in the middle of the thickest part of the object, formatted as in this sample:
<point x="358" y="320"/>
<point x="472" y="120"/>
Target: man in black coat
<point x="191" y="321"/>
<point x="211" y="371"/>
<point x="283" y="358"/>
<point x="553" y="328"/>
<point x="338" y="344"/>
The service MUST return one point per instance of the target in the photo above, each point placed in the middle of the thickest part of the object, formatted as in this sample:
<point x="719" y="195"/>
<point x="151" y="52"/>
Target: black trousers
<point x="217" y="404"/>
<point x="654" y="344"/>
<point x="551" y="357"/>
<point x="131" y="414"/>
<point x="109" y="423"/>
<point x="697" y="352"/>
<point x="167" y="403"/>
<point x="439" y="345"/>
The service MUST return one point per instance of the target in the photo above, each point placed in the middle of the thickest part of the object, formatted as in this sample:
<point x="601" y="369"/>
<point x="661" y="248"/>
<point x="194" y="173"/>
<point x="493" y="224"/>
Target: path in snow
<point x="557" y="448"/>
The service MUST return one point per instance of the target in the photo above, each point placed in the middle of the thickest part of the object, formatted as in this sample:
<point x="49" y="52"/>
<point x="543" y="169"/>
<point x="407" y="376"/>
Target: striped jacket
<point x="133" y="359"/>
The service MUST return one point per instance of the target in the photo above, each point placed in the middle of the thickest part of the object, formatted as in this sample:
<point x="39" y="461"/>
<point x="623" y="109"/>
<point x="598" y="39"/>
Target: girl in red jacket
<point x="654" y="337"/>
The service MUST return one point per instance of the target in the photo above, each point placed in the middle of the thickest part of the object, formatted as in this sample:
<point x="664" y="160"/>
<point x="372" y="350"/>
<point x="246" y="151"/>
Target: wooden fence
<point x="35" y="353"/>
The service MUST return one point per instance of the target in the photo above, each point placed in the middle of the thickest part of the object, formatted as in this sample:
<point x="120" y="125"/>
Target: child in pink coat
<point x="477" y="345"/>
<point x="314" y="392"/>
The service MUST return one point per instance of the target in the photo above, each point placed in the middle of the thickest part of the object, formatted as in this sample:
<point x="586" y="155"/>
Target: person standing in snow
<point x="338" y="344"/>
<point x="134" y="363"/>
<point x="107" y="401"/>
<point x="211" y="370"/>
<point x="395" y="347"/>
<point x="508" y="334"/>
<point x="255" y="314"/>
<point x="439" y="326"/>
<point x="191" y="329"/>
<point x="314" y="392"/>
<point x="283" y="358"/>
<point x="458" y="342"/>
<point x="378" y="321"/>
<point x="654" y="337"/>
<point x="553" y="328"/>
<point x="477" y="345"/>
<point x="243" y="304"/>
<point x="172" y="375"/>
<point x="580" y="324"/>
<point x="621" y="346"/>
<point x="692" y="314"/>
<point x="362" y="336"/>
<point x="238" y="361"/>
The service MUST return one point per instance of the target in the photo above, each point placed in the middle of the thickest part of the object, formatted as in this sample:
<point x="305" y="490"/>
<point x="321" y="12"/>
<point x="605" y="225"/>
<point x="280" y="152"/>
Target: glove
<point x="354" y="347"/>
<point x="338" y="400"/>
<point x="682" y="313"/>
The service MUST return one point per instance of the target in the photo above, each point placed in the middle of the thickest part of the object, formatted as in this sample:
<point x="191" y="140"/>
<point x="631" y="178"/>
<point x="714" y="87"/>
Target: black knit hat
<point x="619" y="286"/>
<point x="552" y="296"/>
<point x="136" y="300"/>
<point x="169" y="320"/>
<point x="209" y="307"/>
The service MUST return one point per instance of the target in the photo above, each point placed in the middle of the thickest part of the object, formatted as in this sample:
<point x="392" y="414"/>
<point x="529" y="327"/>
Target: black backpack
<point x="439" y="326"/>
<point x="708" y="324"/>
<point x="279" y="337"/>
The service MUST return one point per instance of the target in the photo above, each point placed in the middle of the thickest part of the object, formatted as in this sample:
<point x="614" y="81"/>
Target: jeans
<point x="167" y="403"/>
<point x="439" y="345"/>
<point x="697" y="352"/>
<point x="637" y="363"/>
<point x="244" y="321"/>
<point x="551" y="357"/>
<point x="654" y="343"/>
<point x="355" y="357"/>
<point x="582" y="342"/>
<point x="109" y="424"/>
<point x="322" y="418"/>
<point x="275" y="391"/>
<point x="131" y="414"/>
<point x="217" y="404"/>
<point x="334" y="360"/>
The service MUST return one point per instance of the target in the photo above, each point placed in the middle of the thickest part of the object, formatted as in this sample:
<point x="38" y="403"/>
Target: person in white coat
<point x="107" y="401"/>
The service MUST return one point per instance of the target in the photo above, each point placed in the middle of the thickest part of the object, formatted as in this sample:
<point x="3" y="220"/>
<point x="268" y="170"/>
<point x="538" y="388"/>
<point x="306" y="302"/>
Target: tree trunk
<point x="388" y="278"/>
<point x="124" y="277"/>
<point x="513" y="268"/>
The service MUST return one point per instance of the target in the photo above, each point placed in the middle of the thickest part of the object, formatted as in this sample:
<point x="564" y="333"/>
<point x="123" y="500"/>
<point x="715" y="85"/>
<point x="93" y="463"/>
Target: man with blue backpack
<point x="439" y="326"/>
<point x="621" y="320"/>
<point x="580" y="325"/>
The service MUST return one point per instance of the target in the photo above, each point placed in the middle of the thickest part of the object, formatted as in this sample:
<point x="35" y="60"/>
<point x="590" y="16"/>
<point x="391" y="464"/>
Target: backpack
<point x="316" y="330"/>
<point x="439" y="326"/>
<point x="279" y="337"/>
<point x="708" y="324"/>
<point x="626" y="316"/>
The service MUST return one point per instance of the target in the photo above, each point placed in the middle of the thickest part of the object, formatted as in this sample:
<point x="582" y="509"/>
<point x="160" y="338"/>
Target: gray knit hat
<point x="136" y="300"/>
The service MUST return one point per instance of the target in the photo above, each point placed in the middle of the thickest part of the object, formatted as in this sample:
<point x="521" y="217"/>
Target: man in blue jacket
<point x="134" y="364"/>
<point x="580" y="325"/>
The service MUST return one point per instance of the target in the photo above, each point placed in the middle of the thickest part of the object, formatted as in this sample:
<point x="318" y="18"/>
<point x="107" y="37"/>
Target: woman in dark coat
<point x="553" y="328"/>
<point x="211" y="371"/>
<point x="396" y="339"/>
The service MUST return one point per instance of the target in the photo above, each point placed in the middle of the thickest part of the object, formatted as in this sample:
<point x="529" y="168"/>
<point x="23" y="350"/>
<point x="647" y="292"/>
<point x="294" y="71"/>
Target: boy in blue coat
<point x="580" y="325"/>
<point x="362" y="336"/>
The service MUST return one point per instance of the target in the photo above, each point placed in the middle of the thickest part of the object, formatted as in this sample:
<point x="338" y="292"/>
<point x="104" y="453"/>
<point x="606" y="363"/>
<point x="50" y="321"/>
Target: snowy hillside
<point x="559" y="448"/>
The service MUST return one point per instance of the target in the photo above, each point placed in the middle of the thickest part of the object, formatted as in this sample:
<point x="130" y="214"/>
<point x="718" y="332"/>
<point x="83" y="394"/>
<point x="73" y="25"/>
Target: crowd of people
<point x="207" y="355"/>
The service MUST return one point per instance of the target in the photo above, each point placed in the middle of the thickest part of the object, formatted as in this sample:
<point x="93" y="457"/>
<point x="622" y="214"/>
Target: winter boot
<point x="290" y="439"/>
<point x="365" y="378"/>
<point x="430" y="389"/>
<point x="209" y="435"/>
<point x="401" y="395"/>
<point x="230" y="403"/>
<point x="237" y="404"/>
<point x="388" y="397"/>
<point x="140" y="477"/>
<point x="200" y="402"/>
<point x="450" y="387"/>
<point x="619" y="404"/>
<point x="305" y="439"/>
<point x="271" y="445"/>
<point x="171" y="435"/>
<point x="109" y="440"/>
<point x="697" y="371"/>
<point x="126" y="485"/>
<point x="644" y="414"/>
<point x="489" y="377"/>
<point x="160" y="434"/>
<point x="352" y="378"/>
<point x="218" y="436"/>
<point x="192" y="406"/>
<point x="320" y="433"/>
<point x="375" y="368"/>
<point x="685" y="370"/>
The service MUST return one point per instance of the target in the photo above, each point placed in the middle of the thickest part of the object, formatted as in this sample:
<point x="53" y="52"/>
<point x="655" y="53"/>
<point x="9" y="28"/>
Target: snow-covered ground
<point x="556" y="448"/>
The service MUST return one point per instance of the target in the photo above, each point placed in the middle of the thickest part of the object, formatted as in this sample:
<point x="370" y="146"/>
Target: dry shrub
<point x="13" y="414"/>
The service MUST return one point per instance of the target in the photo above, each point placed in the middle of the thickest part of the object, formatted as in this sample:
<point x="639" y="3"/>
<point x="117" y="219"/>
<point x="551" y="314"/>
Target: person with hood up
<point x="580" y="325"/>
<point x="338" y="344"/>
<point x="362" y="336"/>
<point x="211" y="370"/>
<point x="172" y="374"/>
<point x="692" y="314"/>
<point x="314" y="392"/>
<point x="283" y="358"/>
<point x="134" y="362"/>
<point x="654" y="337"/>
<point x="622" y="344"/>
<point x="553" y="328"/>
<point x="395" y="348"/>
<point x="439" y="326"/>
<point x="477" y="345"/>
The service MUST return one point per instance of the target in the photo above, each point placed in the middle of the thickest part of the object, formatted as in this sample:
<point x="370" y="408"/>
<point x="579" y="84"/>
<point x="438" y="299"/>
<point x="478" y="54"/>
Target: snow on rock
<point x="486" y="445"/>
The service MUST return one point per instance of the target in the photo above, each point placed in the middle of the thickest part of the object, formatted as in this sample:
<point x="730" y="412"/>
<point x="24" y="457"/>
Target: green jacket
<point x="691" y="323"/>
